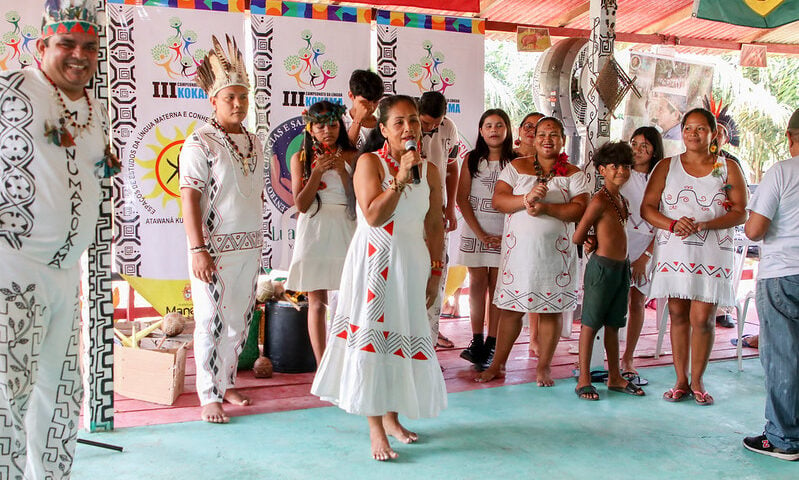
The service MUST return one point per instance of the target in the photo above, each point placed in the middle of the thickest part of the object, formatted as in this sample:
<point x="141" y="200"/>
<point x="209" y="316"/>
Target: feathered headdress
<point x="724" y="118"/>
<point x="219" y="70"/>
<point x="69" y="16"/>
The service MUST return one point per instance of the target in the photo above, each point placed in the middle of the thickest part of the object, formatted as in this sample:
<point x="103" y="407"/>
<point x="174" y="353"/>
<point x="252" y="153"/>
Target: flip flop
<point x="632" y="376"/>
<point x="587" y="390"/>
<point x="744" y="341"/>
<point x="629" y="389"/>
<point x="677" y="395"/>
<point x="703" y="398"/>
<point x="599" y="376"/>
<point x="444" y="342"/>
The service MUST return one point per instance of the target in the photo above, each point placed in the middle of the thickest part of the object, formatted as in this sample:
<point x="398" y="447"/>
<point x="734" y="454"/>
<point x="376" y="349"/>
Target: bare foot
<point x="381" y="450"/>
<point x="533" y="348"/>
<point x="393" y="427"/>
<point x="233" y="396"/>
<point x="543" y="377"/>
<point x="213" y="413"/>
<point x="489" y="374"/>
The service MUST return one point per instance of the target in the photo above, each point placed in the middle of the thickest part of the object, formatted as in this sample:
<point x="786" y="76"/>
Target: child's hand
<point x="491" y="241"/>
<point x="590" y="244"/>
<point x="639" y="270"/>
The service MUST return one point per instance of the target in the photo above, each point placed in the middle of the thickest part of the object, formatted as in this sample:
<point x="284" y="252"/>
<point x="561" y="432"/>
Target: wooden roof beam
<point x="668" y="21"/>
<point x="568" y="16"/>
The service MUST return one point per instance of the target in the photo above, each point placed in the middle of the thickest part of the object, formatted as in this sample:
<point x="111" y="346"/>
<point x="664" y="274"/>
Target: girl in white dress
<point x="647" y="152"/>
<point x="321" y="179"/>
<point x="542" y="196"/>
<point x="481" y="236"/>
<point x="694" y="200"/>
<point x="380" y="359"/>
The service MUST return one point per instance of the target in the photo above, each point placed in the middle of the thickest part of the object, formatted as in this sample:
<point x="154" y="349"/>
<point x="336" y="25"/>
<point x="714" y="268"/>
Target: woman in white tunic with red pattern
<point x="542" y="197"/>
<point x="380" y="360"/>
<point x="694" y="199"/>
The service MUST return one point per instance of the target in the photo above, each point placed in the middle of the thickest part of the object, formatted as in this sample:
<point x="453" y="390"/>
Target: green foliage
<point x="509" y="79"/>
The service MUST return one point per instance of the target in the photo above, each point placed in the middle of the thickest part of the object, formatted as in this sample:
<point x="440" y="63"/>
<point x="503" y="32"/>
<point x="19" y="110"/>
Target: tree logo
<point x="307" y="67"/>
<point x="18" y="44"/>
<point x="176" y="55"/>
<point x="428" y="74"/>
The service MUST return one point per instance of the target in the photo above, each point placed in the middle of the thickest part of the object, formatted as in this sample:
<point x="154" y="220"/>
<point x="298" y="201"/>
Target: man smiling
<point x="53" y="151"/>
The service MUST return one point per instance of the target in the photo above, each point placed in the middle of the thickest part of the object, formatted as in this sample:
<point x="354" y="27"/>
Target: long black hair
<point x="652" y="136"/>
<point x="375" y="140"/>
<point x="480" y="150"/>
<point x="317" y="111"/>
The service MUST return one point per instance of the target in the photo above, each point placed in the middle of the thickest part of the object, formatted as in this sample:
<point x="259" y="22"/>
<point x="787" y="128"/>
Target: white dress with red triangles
<point x="380" y="356"/>
<point x="700" y="266"/>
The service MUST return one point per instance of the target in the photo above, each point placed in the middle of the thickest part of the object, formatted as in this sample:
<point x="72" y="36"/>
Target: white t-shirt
<point x="49" y="194"/>
<point x="441" y="148"/>
<point x="777" y="198"/>
<point x="361" y="135"/>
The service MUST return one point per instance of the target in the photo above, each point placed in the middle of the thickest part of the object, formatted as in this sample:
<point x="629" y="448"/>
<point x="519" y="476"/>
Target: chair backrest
<point x="740" y="248"/>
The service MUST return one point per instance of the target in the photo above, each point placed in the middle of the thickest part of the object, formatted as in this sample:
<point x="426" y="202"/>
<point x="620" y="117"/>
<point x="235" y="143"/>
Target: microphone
<point x="415" y="173"/>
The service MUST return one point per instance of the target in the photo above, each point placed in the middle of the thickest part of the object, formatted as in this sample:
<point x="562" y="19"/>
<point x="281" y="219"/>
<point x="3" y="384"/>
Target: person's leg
<point x="478" y="286"/>
<point x="777" y="306"/>
<point x="635" y="322"/>
<point x="679" y="315"/>
<point x="492" y="314"/>
<point x="381" y="449"/>
<point x="703" y="327"/>
<point x="510" y="324"/>
<point x="534" y="347"/>
<point x="612" y="351"/>
<point x="393" y="427"/>
<point x="317" y="313"/>
<point x="549" y="327"/>
<point x="586" y="348"/>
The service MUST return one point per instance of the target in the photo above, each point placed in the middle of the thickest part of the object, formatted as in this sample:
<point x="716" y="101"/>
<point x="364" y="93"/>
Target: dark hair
<point x="613" y="153"/>
<point x="711" y="119"/>
<point x="308" y="142"/>
<point x="481" y="147"/>
<point x="552" y="119"/>
<point x="433" y="104"/>
<point x="528" y="116"/>
<point x="652" y="136"/>
<point x="375" y="140"/>
<point x="366" y="84"/>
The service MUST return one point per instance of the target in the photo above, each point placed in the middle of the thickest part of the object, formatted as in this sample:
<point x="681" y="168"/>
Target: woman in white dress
<point x="380" y="360"/>
<point x="694" y="199"/>
<point x="647" y="152"/>
<point x="321" y="179"/>
<point x="481" y="236"/>
<point x="542" y="196"/>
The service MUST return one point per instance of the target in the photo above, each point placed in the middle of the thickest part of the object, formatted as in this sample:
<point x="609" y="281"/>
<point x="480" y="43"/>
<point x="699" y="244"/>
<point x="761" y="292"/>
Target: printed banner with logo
<point x="749" y="13"/>
<point x="155" y="50"/>
<point x="417" y="53"/>
<point x="20" y="27"/>
<point x="318" y="48"/>
<point x="669" y="87"/>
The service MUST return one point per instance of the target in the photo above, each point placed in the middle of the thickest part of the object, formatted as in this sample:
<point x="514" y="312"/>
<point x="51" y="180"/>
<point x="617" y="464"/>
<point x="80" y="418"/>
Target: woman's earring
<point x="714" y="146"/>
<point x="517" y="142"/>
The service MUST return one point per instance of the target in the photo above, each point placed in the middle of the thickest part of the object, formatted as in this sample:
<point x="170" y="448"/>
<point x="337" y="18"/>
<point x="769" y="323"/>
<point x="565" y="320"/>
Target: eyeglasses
<point x="528" y="126"/>
<point x="645" y="146"/>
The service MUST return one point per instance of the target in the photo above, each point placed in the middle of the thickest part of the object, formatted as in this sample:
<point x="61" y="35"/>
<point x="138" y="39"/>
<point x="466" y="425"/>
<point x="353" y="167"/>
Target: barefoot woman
<point x="221" y="180"/>
<point x="380" y="359"/>
<point x="542" y="196"/>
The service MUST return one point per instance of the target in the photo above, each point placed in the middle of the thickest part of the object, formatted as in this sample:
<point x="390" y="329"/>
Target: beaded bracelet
<point x="199" y="248"/>
<point x="436" y="272"/>
<point x="396" y="185"/>
<point x="671" y="227"/>
<point x="437" y="264"/>
<point x="526" y="201"/>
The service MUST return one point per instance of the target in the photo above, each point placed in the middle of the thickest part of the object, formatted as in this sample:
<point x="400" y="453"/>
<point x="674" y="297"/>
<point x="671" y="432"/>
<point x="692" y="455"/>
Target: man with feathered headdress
<point x="221" y="185"/>
<point x="53" y="150"/>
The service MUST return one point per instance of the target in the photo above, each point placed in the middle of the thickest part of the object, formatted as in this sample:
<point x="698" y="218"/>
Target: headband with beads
<point x="329" y="117"/>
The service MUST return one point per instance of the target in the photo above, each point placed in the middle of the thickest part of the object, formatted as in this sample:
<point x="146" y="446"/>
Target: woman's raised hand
<point x="407" y="161"/>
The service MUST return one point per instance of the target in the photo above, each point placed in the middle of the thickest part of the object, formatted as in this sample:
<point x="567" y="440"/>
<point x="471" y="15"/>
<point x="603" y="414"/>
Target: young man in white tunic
<point x="53" y="152"/>
<point x="221" y="180"/>
<point x="440" y="145"/>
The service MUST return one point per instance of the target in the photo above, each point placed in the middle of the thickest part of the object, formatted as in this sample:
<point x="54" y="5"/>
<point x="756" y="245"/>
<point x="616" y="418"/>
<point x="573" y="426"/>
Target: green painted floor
<point x="514" y="432"/>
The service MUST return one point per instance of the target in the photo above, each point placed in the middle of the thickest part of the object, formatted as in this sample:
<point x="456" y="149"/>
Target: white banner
<point x="20" y="28"/>
<point x="417" y="53"/>
<point x="319" y="46"/>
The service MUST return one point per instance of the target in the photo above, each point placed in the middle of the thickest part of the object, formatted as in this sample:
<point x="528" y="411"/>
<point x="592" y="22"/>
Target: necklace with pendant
<point x="59" y="133"/>
<point x="623" y="213"/>
<point x="247" y="168"/>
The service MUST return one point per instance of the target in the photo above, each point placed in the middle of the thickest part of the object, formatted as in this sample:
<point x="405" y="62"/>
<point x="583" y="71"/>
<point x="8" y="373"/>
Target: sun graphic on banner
<point x="163" y="168"/>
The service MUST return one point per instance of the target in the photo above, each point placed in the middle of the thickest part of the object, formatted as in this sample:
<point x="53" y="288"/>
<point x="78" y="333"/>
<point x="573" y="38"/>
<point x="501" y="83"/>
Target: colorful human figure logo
<point x="177" y="55"/>
<point x="308" y="67"/>
<point x="18" y="43"/>
<point x="428" y="74"/>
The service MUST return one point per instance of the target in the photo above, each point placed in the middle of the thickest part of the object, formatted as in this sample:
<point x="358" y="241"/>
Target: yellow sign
<point x="763" y="7"/>
<point x="164" y="295"/>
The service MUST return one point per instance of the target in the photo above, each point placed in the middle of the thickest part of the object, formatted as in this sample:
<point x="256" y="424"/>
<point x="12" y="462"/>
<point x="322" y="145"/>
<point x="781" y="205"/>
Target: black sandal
<point x="587" y="390"/>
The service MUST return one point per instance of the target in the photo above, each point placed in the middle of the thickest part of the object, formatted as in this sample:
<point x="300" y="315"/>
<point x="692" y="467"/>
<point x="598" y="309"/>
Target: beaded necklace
<point x="622" y="216"/>
<point x="58" y="134"/>
<point x="558" y="168"/>
<point x="236" y="153"/>
<point x="385" y="154"/>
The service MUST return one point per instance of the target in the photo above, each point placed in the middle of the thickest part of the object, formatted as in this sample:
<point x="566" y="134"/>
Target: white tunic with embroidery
<point x="639" y="232"/>
<point x="323" y="236"/>
<point x="380" y="356"/>
<point x="700" y="266"/>
<point x="231" y="201"/>
<point x="538" y="272"/>
<point x="471" y="251"/>
<point x="49" y="194"/>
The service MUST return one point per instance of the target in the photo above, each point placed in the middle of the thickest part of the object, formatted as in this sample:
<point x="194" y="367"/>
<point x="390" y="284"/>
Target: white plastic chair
<point x="740" y="247"/>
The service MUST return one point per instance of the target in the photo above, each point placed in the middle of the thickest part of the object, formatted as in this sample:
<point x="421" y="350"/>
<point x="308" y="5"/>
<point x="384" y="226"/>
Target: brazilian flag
<point x="749" y="13"/>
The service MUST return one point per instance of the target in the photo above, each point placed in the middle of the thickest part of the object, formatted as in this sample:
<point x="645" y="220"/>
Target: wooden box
<point x="149" y="374"/>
